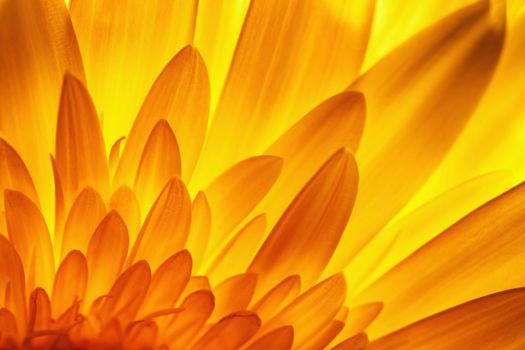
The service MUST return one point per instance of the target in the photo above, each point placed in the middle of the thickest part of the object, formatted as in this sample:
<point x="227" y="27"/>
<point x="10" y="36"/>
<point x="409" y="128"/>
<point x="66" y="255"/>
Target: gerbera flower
<point x="261" y="174"/>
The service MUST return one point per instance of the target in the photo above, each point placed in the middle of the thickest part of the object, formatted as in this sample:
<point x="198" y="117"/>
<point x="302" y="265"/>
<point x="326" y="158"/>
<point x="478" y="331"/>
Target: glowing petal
<point x="230" y="333"/>
<point x="491" y="322"/>
<point x="233" y="294"/>
<point x="419" y="98"/>
<point x="306" y="235"/>
<point x="166" y="227"/>
<point x="114" y="156"/>
<point x="324" y="336"/>
<point x="124" y="47"/>
<point x="474" y="257"/>
<point x="200" y="229"/>
<point x="80" y="154"/>
<point x="29" y="235"/>
<point x="237" y="191"/>
<point x="279" y="296"/>
<point x="12" y="283"/>
<point x="181" y="96"/>
<point x="86" y="213"/>
<point x="65" y="292"/>
<point x="141" y="335"/>
<point x="279" y="339"/>
<point x="126" y="204"/>
<point x="39" y="310"/>
<point x="357" y="342"/>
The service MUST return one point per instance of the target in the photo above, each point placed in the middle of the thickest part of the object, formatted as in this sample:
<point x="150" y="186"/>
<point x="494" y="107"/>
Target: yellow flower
<point x="264" y="174"/>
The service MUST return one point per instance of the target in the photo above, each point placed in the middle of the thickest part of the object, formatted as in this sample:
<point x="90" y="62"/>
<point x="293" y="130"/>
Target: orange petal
<point x="168" y="283"/>
<point x="114" y="155"/>
<point x="312" y="310"/>
<point x="126" y="295"/>
<point x="233" y="294"/>
<point x="14" y="174"/>
<point x="60" y="211"/>
<point x="30" y="237"/>
<point x="283" y="66"/>
<point x="306" y="235"/>
<point x="65" y="293"/>
<point x="196" y="283"/>
<point x="181" y="96"/>
<point x="86" y="213"/>
<point x="80" y="153"/>
<point x="357" y="342"/>
<point x="419" y="98"/>
<point x="12" y="283"/>
<point x="32" y="68"/>
<point x="476" y="256"/>
<point x="166" y="227"/>
<point x="123" y="60"/>
<point x="491" y="322"/>
<point x="200" y="229"/>
<point x="197" y="307"/>
<point x="126" y="204"/>
<point x="240" y="250"/>
<point x="279" y="296"/>
<point x="142" y="335"/>
<point x="106" y="252"/>
<point x="39" y="310"/>
<point x="234" y="194"/>
<point x="361" y="317"/>
<point x="230" y="332"/>
<point x="323" y="337"/>
<point x="279" y="339"/>
<point x="335" y="123"/>
<point x="8" y="328"/>
<point x="159" y="163"/>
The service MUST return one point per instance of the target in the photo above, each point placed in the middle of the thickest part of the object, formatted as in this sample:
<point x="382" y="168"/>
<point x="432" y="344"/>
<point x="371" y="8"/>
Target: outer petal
<point x="279" y="339"/>
<point x="70" y="282"/>
<point x="278" y="297"/>
<point x="233" y="294"/>
<point x="200" y="229"/>
<point x="12" y="283"/>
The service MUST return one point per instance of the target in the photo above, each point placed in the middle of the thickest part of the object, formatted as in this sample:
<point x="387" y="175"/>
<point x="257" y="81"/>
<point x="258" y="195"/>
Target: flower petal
<point x="86" y="213"/>
<point x="121" y="57"/>
<point x="234" y="194"/>
<point x="230" y="333"/>
<point x="476" y="256"/>
<point x="159" y="163"/>
<point x="357" y="342"/>
<point x="278" y="297"/>
<point x="166" y="227"/>
<point x="306" y="235"/>
<point x="491" y="322"/>
<point x="12" y="283"/>
<point x="418" y="98"/>
<point x="106" y="252"/>
<point x="8" y="327"/>
<point x="324" y="336"/>
<point x="181" y="96"/>
<point x="126" y="204"/>
<point x="233" y="294"/>
<point x="39" y="310"/>
<point x="29" y="234"/>
<point x="198" y="237"/>
<point x="80" y="153"/>
<point x="65" y="293"/>
<point x="279" y="339"/>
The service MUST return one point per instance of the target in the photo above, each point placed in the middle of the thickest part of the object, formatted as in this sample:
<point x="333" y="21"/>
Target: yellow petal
<point x="12" y="283"/>
<point x="30" y="237"/>
<point x="230" y="332"/>
<point x="126" y="295"/>
<point x="312" y="310"/>
<point x="126" y="204"/>
<point x="114" y="156"/>
<point x="324" y="336"/>
<point x="234" y="194"/>
<point x="491" y="322"/>
<point x="200" y="229"/>
<point x="39" y="310"/>
<point x="65" y="293"/>
<point x="419" y="98"/>
<point x="305" y="237"/>
<point x="124" y="48"/>
<point x="159" y="163"/>
<point x="279" y="339"/>
<point x="166" y="227"/>
<point x="233" y="294"/>
<point x="279" y="296"/>
<point x="357" y="342"/>
<point x="361" y="317"/>
<point x="197" y="307"/>
<point x="181" y="96"/>
<point x="168" y="283"/>
<point x="239" y="251"/>
<point x="86" y="213"/>
<point x="476" y="256"/>
<point x="106" y="252"/>
<point x="38" y="45"/>
<point x="335" y="123"/>
<point x="80" y="154"/>
<point x="14" y="174"/>
<point x="283" y="66"/>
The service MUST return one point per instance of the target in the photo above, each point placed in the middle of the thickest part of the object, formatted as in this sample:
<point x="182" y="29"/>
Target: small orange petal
<point x="39" y="310"/>
<point x="196" y="283"/>
<point x="29" y="234"/>
<point x="166" y="227"/>
<point x="198" y="237"/>
<point x="324" y="336"/>
<point x="106" y="253"/>
<point x="360" y="317"/>
<point x="86" y="213"/>
<point x="12" y="283"/>
<point x="233" y="294"/>
<point x="65" y="293"/>
<point x="308" y="232"/>
<point x="126" y="204"/>
<point x="114" y="155"/>
<point x="357" y="342"/>
<point x="279" y="296"/>
<point x="141" y="335"/>
<point x="234" y="194"/>
<point x="279" y="339"/>
<point x="8" y="328"/>
<point x="230" y="333"/>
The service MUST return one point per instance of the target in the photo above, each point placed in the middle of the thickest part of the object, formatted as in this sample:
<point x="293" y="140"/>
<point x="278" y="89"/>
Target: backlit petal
<point x="279" y="339"/>
<point x="39" y="310"/>
<point x="12" y="283"/>
<point x="197" y="242"/>
<point x="233" y="294"/>
<point x="357" y="342"/>
<point x="278" y="297"/>
<point x="126" y="204"/>
<point x="65" y="292"/>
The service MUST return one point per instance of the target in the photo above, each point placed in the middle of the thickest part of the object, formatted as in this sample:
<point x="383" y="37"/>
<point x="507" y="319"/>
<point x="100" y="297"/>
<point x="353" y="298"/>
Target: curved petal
<point x="279" y="339"/>
<point x="278" y="297"/>
<point x="126" y="204"/>
<point x="12" y="283"/>
<point x="233" y="294"/>
<point x="65" y="293"/>
<point x="198" y="237"/>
